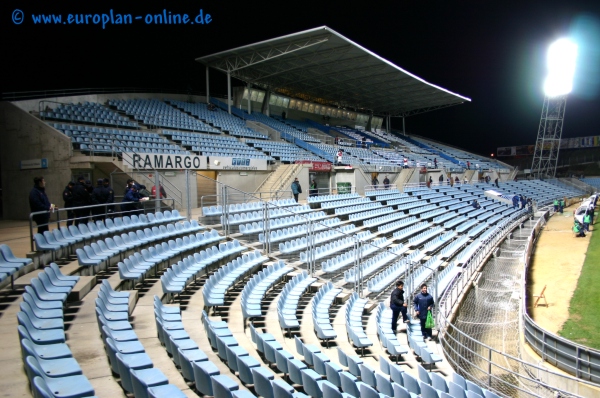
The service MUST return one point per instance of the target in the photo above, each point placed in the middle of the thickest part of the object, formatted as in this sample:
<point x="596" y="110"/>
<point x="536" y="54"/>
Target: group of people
<point x="422" y="305"/>
<point x="559" y="205"/>
<point x="375" y="182"/>
<point x="521" y="202"/>
<point x="80" y="197"/>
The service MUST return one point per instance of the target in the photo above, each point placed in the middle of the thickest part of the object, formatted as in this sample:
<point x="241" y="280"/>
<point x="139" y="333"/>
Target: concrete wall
<point x="34" y="104"/>
<point x="26" y="137"/>
<point x="245" y="183"/>
<point x="344" y="176"/>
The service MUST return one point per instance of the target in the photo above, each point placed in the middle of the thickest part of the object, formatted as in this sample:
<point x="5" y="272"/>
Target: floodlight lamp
<point x="562" y="56"/>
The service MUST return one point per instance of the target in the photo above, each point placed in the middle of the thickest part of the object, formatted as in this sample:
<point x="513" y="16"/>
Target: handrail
<point x="58" y="212"/>
<point x="463" y="342"/>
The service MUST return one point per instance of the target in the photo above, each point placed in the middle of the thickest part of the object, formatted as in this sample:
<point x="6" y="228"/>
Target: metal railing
<point x="490" y="367"/>
<point x="64" y="216"/>
<point x="25" y="95"/>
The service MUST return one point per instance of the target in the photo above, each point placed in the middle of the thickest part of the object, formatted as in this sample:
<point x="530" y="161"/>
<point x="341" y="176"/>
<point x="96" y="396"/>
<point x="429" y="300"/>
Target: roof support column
<point x="265" y="105"/>
<point x="249" y="99"/>
<point x="229" y="99"/>
<point x="403" y="126"/>
<point x="368" y="126"/>
<point x="207" y="88"/>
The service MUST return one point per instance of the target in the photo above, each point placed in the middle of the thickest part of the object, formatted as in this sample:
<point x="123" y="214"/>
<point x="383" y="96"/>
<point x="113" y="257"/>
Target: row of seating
<point x="373" y="264"/>
<point x="257" y="287"/>
<point x="247" y="206"/>
<point x="345" y="259"/>
<point x="386" y="335"/>
<point x="363" y="215"/>
<point x="356" y="335"/>
<point x="176" y="278"/>
<point x="411" y="230"/>
<point x="102" y="251"/>
<point x="386" y="219"/>
<point x="387" y="277"/>
<point x="299" y="230"/>
<point x="424" y="236"/>
<point x="11" y="265"/>
<point x="49" y="363"/>
<point x="240" y="218"/>
<point x="439" y="241"/>
<point x="287" y="304"/>
<point x="320" y="237"/>
<point x="320" y="311"/>
<point x="402" y="223"/>
<point x="126" y="355"/>
<point x="328" y="198"/>
<point x="334" y="204"/>
<point x="137" y="266"/>
<point x="282" y="222"/>
<point x="217" y="285"/>
<point x="358" y="208"/>
<point x="329" y="249"/>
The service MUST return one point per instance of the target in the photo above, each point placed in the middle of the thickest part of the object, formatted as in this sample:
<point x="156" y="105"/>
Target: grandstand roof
<point x="322" y="66"/>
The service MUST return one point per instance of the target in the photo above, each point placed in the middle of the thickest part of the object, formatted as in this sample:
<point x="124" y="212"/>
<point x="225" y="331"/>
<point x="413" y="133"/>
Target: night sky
<point x="490" y="51"/>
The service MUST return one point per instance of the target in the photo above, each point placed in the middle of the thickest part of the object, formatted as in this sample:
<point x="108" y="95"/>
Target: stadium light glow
<point x="562" y="56"/>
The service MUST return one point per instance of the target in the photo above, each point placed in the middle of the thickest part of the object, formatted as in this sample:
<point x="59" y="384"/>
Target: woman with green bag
<point x="423" y="303"/>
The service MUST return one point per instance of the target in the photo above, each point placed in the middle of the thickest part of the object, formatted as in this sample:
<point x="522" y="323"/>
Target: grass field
<point x="583" y="325"/>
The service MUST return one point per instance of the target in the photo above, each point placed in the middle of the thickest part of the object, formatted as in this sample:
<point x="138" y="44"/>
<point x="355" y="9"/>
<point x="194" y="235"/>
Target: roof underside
<point x="322" y="66"/>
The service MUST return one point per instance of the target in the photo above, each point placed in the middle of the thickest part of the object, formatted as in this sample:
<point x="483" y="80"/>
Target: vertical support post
<point x="157" y="203"/>
<point x="310" y="238"/>
<point x="207" y="87"/>
<point x="229" y="99"/>
<point x="188" y="195"/>
<point x="490" y="368"/>
<point x="249" y="99"/>
<point x="225" y="206"/>
<point x="403" y="126"/>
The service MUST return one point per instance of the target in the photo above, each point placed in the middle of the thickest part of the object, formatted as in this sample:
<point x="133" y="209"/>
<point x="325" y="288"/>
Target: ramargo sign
<point x="154" y="161"/>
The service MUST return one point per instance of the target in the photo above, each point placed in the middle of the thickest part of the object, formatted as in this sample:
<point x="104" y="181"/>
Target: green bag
<point x="429" y="323"/>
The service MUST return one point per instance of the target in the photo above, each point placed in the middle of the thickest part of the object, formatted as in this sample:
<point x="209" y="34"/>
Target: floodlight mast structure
<point x="562" y="55"/>
<point x="547" y="145"/>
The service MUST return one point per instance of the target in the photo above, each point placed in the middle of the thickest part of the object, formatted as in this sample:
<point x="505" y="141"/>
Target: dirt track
<point x="556" y="263"/>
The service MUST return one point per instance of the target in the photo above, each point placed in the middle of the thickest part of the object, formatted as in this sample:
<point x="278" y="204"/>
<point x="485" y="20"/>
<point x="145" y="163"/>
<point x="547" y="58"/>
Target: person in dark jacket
<point x="111" y="196"/>
<point x="386" y="183"/>
<point x="423" y="303"/>
<point x="68" y="199"/>
<point x="38" y="201"/>
<point x="101" y="195"/>
<point x="134" y="196"/>
<point x="398" y="305"/>
<point x="81" y="197"/>
<point x="296" y="189"/>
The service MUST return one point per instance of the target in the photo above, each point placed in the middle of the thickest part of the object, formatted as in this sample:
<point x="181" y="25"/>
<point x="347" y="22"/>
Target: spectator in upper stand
<point x="38" y="201"/>
<point x="374" y="181"/>
<point x="296" y="189"/>
<point x="68" y="199"/>
<point x="468" y="165"/>
<point x="386" y="182"/>
<point x="496" y="182"/>
<point x="337" y="140"/>
<point x="475" y="204"/>
<point x="313" y="190"/>
<point x="435" y="163"/>
<point x="339" y="157"/>
<point x="81" y="198"/>
<point x="405" y="162"/>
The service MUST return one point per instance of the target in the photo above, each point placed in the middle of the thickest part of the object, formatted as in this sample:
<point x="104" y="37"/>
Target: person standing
<point x="398" y="305"/>
<point x="68" y="199"/>
<point x="435" y="163"/>
<point x="405" y="162"/>
<point x="81" y="198"/>
<point x="313" y="190"/>
<point x="339" y="157"/>
<point x="423" y="303"/>
<point x="374" y="182"/>
<point x="97" y="198"/>
<point x="515" y="200"/>
<point x="555" y="205"/>
<point x="386" y="182"/>
<point x="586" y="221"/>
<point x="496" y="182"/>
<point x="111" y="196"/>
<point x="561" y="205"/>
<point x="38" y="201"/>
<point x="296" y="189"/>
<point x="133" y="197"/>
<point x="468" y="165"/>
<point x="441" y="179"/>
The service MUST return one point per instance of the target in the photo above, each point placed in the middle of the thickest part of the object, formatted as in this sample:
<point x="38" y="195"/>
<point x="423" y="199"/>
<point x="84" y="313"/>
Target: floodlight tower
<point x="559" y="82"/>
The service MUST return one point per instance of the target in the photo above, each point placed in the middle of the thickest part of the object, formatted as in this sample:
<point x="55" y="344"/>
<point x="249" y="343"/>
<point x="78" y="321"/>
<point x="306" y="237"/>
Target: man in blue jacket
<point x="38" y="201"/>
<point x="296" y="189"/>
<point x="423" y="304"/>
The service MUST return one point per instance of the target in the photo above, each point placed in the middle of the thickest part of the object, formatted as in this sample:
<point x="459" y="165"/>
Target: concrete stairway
<point x="280" y="178"/>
